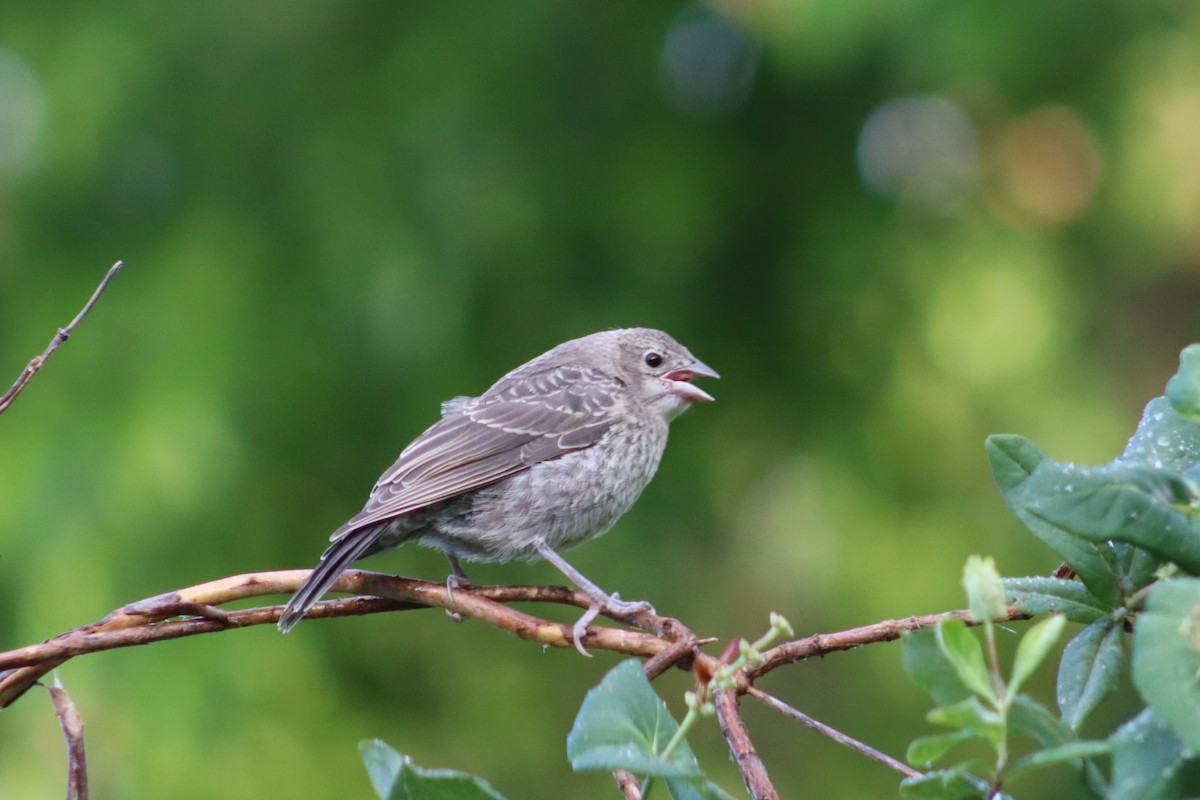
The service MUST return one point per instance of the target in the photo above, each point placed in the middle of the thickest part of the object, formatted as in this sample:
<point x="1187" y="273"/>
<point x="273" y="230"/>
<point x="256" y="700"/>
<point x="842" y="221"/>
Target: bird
<point x="549" y="457"/>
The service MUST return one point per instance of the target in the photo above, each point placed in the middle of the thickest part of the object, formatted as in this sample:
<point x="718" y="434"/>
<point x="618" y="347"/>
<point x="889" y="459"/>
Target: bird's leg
<point x="601" y="600"/>
<point x="457" y="577"/>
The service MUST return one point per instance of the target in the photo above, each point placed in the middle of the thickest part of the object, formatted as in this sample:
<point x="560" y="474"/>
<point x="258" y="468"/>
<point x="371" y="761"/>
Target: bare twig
<point x="72" y="728"/>
<point x="754" y="772"/>
<point x="886" y="631"/>
<point x="682" y="650"/>
<point x="832" y="733"/>
<point x="60" y="337"/>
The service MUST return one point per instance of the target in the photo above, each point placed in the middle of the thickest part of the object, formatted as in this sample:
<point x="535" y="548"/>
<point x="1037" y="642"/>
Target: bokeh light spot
<point x="22" y="111"/>
<point x="708" y="64"/>
<point x="993" y="321"/>
<point x="1158" y="162"/>
<point x="1049" y="164"/>
<point x="922" y="149"/>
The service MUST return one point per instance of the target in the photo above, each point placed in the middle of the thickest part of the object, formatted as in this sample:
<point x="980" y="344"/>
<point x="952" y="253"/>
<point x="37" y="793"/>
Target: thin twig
<point x="832" y="733"/>
<point x="72" y="728"/>
<point x="63" y="333"/>
<point x="886" y="631"/>
<point x="682" y="650"/>
<point x="754" y="772"/>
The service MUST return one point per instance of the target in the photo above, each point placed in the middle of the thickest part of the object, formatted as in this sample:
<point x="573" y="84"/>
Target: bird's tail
<point x="342" y="553"/>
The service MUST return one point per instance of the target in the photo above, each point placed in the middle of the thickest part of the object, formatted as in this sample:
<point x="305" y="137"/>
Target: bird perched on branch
<point x="547" y="458"/>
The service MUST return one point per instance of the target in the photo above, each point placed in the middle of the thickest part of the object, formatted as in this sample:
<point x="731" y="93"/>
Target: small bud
<point x="723" y="679"/>
<point x="985" y="594"/>
<point x="700" y="668"/>
<point x="780" y="625"/>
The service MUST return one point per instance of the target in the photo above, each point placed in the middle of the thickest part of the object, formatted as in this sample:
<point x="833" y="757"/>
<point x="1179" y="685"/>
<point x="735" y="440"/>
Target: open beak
<point x="680" y="382"/>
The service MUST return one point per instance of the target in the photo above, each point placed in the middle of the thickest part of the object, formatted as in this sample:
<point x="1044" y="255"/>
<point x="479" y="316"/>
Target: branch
<point x="627" y="784"/>
<point x="754" y="772"/>
<point x="886" y="631"/>
<point x="836" y="735"/>
<point x="151" y="620"/>
<point x="63" y="333"/>
<point x="72" y="728"/>
<point x="663" y="641"/>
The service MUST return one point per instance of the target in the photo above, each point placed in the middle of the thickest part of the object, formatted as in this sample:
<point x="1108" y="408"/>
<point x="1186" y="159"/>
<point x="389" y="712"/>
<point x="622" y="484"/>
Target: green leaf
<point x="1039" y="596"/>
<point x="1147" y="759"/>
<point x="1137" y="566"/>
<point x="947" y="784"/>
<point x="382" y="762"/>
<point x="965" y="653"/>
<point x="1166" y="656"/>
<point x="1183" y="390"/>
<point x="969" y="713"/>
<point x="623" y="723"/>
<point x="1092" y="665"/>
<point x="683" y="789"/>
<point x="973" y="717"/>
<point x="926" y="750"/>
<point x="1030" y="717"/>
<point x="1033" y="648"/>
<point x="1058" y="754"/>
<point x="1164" y="438"/>
<point x="1013" y="460"/>
<point x="1149" y="507"/>
<point x="930" y="669"/>
<point x="395" y="778"/>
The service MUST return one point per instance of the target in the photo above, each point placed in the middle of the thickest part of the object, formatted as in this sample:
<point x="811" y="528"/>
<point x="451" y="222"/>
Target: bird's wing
<point x="527" y="417"/>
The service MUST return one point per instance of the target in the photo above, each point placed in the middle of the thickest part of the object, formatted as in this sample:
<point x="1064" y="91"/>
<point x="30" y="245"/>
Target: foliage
<point x="1130" y="532"/>
<point x="394" y="777"/>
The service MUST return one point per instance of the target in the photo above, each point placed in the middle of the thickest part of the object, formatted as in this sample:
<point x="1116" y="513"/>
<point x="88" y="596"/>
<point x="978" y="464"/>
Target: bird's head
<point x="661" y="371"/>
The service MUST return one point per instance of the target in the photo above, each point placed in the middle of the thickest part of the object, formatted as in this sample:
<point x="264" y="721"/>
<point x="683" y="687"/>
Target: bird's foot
<point x="612" y="605"/>
<point x="622" y="608"/>
<point x="599" y="600"/>
<point x="456" y="581"/>
<point x="580" y="628"/>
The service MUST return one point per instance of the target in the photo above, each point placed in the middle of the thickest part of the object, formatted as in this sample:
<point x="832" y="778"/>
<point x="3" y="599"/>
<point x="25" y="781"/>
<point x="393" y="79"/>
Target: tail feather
<point x="336" y="558"/>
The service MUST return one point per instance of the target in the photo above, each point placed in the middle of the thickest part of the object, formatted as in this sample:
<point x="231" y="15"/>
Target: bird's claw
<point x="580" y="629"/>
<point x="455" y="581"/>
<point x="618" y="607"/>
<point x="610" y="604"/>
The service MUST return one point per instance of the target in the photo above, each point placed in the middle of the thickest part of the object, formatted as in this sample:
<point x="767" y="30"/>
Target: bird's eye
<point x="653" y="359"/>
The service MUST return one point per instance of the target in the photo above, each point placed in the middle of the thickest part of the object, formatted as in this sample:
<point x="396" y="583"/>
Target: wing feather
<point x="527" y="417"/>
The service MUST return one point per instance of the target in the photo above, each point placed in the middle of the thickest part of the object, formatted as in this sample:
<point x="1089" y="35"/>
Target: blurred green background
<point x="894" y="228"/>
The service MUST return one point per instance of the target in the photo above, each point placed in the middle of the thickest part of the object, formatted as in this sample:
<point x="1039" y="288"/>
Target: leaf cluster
<point x="1129" y="534"/>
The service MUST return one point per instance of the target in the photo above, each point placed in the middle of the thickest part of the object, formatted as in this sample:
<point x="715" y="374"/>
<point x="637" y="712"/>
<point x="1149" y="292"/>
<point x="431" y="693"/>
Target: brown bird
<point x="547" y="458"/>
